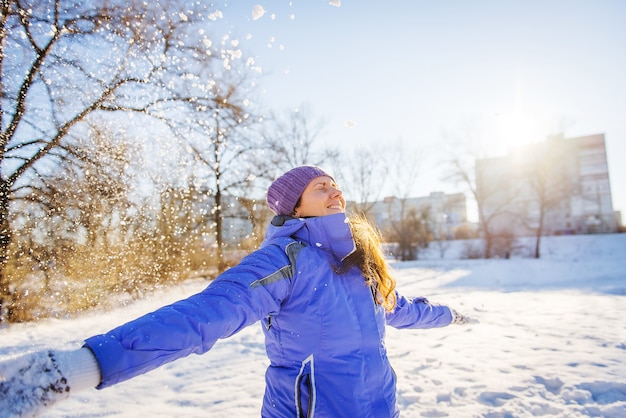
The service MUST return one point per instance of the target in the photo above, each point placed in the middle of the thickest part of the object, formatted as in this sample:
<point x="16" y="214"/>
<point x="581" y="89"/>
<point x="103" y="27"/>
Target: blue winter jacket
<point x="324" y="332"/>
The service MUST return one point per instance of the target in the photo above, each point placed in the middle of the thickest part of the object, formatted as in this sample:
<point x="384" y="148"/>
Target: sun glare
<point x="514" y="128"/>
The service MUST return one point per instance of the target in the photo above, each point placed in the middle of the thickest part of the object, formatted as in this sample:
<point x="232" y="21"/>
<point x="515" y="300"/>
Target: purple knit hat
<point x="284" y="192"/>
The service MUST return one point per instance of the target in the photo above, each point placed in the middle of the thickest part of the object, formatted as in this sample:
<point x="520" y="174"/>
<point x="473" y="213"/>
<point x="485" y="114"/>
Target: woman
<point x="322" y="290"/>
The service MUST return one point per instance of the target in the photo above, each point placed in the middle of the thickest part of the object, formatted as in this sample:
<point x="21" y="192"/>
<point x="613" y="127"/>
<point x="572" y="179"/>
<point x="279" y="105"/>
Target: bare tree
<point x="468" y="166"/>
<point x="549" y="184"/>
<point x="412" y="231"/>
<point x="405" y="222"/>
<point x="213" y="119"/>
<point x="293" y="136"/>
<point x="68" y="218"/>
<point x="363" y="177"/>
<point x="234" y="152"/>
<point x="287" y="139"/>
<point x="62" y="61"/>
<point x="216" y="128"/>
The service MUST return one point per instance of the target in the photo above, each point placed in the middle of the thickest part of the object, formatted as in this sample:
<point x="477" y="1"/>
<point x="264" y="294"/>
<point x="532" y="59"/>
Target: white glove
<point x="30" y="383"/>
<point x="460" y="319"/>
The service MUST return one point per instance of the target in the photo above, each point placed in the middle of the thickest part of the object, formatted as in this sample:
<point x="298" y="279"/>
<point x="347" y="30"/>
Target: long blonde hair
<point x="370" y="259"/>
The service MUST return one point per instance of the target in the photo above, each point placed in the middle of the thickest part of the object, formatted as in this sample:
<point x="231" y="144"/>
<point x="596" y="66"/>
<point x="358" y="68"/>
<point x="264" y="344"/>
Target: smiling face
<point x="321" y="197"/>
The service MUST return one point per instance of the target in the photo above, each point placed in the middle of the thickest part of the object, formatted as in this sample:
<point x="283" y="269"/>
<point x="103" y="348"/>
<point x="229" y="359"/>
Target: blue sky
<point x="410" y="70"/>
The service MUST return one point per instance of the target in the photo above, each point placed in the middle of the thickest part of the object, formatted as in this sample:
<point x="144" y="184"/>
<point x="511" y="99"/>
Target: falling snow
<point x="257" y="12"/>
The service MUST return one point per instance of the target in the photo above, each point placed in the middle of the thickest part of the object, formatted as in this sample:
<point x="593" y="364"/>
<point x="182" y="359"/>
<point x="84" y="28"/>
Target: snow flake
<point x="234" y="54"/>
<point x="318" y="244"/>
<point x="336" y="3"/>
<point x="216" y="15"/>
<point x="257" y="12"/>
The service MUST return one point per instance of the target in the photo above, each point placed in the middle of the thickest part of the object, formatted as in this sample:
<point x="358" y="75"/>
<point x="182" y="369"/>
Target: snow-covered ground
<point x="551" y="342"/>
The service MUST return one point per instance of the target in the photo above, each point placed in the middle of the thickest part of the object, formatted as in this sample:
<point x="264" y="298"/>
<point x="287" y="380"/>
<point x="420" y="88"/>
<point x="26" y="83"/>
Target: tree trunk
<point x="5" y="239"/>
<point x="488" y="239"/>
<point x="538" y="236"/>
<point x="219" y="238"/>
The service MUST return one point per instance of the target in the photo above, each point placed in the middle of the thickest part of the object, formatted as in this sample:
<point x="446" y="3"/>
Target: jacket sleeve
<point x="193" y="325"/>
<point x="418" y="313"/>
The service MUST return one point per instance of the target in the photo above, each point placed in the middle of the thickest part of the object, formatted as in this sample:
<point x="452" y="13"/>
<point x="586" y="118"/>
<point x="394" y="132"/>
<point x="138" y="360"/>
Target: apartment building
<point x="445" y="213"/>
<point x="561" y="184"/>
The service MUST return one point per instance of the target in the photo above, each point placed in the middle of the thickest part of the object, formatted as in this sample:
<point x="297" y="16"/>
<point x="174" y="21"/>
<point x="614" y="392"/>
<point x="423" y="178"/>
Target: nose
<point x="335" y="191"/>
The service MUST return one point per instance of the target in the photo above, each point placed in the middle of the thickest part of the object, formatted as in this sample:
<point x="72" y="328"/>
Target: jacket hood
<point x="329" y="233"/>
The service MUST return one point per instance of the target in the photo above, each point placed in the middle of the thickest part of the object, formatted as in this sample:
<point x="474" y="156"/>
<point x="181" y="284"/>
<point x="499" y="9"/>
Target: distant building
<point x="447" y="213"/>
<point x="564" y="181"/>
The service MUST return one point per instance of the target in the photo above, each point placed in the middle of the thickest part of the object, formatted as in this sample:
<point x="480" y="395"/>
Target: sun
<point x="514" y="128"/>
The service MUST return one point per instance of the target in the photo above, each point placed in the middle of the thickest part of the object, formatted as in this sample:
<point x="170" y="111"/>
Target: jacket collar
<point x="329" y="233"/>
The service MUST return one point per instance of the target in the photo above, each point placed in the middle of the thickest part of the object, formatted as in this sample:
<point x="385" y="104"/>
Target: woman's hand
<point x="460" y="319"/>
<point x="30" y="383"/>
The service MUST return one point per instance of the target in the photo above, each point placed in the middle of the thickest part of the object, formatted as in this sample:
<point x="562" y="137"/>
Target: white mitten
<point x="32" y="382"/>
<point x="460" y="319"/>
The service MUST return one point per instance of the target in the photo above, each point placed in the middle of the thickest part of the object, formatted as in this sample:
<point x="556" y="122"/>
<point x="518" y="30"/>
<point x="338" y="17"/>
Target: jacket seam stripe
<point x="281" y="274"/>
